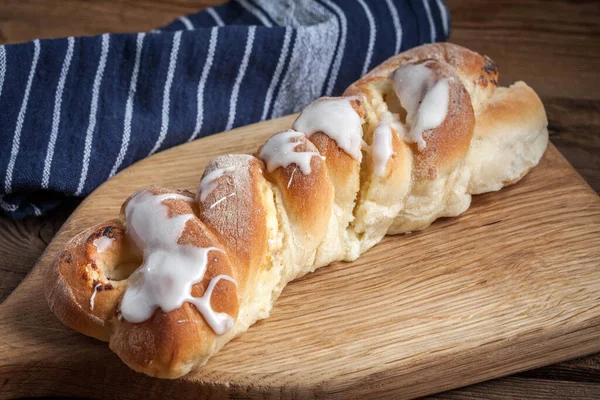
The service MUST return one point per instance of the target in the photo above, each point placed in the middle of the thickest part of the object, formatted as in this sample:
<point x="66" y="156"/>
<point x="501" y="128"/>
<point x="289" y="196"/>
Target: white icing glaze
<point x="221" y="199"/>
<point x="165" y="278"/>
<point x="94" y="296"/>
<point x="279" y="151"/>
<point x="411" y="83"/>
<point x="219" y="322"/>
<point x="103" y="243"/>
<point x="291" y="178"/>
<point x="391" y="118"/>
<point x="424" y="99"/>
<point x="208" y="183"/>
<point x="381" y="148"/>
<point x="337" y="119"/>
<point x="432" y="112"/>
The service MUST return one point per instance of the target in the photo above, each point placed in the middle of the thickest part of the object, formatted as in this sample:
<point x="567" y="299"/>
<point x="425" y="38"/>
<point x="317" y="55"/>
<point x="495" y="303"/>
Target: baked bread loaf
<point x="178" y="274"/>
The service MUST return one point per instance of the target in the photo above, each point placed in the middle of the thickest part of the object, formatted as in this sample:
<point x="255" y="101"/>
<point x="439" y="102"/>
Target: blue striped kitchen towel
<point x="75" y="111"/>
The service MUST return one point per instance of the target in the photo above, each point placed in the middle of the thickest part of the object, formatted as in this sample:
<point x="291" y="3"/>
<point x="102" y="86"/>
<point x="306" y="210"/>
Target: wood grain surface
<point x="508" y="286"/>
<point x="552" y="45"/>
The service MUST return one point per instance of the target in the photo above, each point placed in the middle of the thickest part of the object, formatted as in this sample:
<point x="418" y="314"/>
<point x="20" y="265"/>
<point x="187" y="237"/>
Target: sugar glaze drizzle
<point x="336" y="118"/>
<point x="424" y="98"/>
<point x="213" y="205"/>
<point x="169" y="270"/>
<point x="103" y="243"/>
<point x="94" y="296"/>
<point x="209" y="182"/>
<point x="279" y="151"/>
<point x="381" y="148"/>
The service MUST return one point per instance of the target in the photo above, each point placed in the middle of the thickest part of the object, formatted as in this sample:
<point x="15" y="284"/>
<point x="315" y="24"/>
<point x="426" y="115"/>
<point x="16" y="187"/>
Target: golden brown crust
<point x="235" y="209"/>
<point x="343" y="169"/>
<point x="84" y="288"/>
<point x="508" y="125"/>
<point x="478" y="73"/>
<point x="167" y="342"/>
<point x="80" y="270"/>
<point x="307" y="198"/>
<point x="510" y="137"/>
<point x="449" y="142"/>
<point x="516" y="106"/>
<point x="163" y="345"/>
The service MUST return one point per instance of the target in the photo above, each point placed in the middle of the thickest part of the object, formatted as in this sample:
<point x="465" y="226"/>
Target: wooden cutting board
<point x="512" y="284"/>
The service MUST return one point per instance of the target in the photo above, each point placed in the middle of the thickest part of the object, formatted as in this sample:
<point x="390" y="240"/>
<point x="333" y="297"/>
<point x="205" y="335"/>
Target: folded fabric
<point x="75" y="111"/>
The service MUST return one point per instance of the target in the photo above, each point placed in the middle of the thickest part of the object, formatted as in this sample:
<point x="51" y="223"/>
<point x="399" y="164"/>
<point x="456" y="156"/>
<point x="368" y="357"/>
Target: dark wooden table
<point x="552" y="45"/>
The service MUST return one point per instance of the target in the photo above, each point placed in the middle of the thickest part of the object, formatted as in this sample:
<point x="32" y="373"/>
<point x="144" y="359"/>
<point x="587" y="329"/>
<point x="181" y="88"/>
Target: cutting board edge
<point x="19" y="381"/>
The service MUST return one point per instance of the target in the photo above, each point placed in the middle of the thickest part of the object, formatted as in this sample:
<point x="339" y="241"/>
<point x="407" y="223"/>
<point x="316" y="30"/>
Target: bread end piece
<point x="511" y="135"/>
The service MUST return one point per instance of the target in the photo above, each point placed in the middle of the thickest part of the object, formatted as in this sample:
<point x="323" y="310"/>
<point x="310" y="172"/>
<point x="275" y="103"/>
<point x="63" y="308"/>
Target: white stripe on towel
<point x="36" y="210"/>
<point x="129" y="105"/>
<point x="372" y="36"/>
<point x="56" y="115"/>
<point x="214" y="32"/>
<point x="278" y="69"/>
<point x="215" y="16"/>
<point x="21" y="118"/>
<point x="93" y="111"/>
<point x="6" y="206"/>
<point x="240" y="77"/>
<point x="187" y="23"/>
<point x="341" y="49"/>
<point x="2" y="67"/>
<point x="430" y="20"/>
<point x="444" y="15"/>
<point x="397" y="25"/>
<point x="164" y="126"/>
<point x="252" y="9"/>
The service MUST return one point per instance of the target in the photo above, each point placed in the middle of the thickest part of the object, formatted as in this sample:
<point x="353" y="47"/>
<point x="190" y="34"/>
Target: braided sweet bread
<point x="179" y="275"/>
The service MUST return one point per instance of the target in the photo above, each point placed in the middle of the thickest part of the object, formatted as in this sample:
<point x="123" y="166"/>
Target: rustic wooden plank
<point x="574" y="127"/>
<point x="23" y="20"/>
<point x="552" y="45"/>
<point x="585" y="369"/>
<point x="519" y="388"/>
<point x="573" y="379"/>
